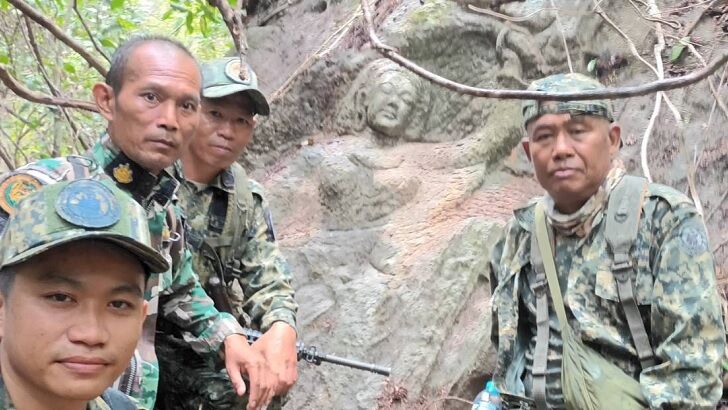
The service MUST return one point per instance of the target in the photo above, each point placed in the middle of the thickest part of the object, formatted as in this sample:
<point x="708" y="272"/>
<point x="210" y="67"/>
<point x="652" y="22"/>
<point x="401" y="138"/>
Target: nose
<point x="89" y="329"/>
<point x="168" y="116"/>
<point x="562" y="146"/>
<point x="225" y="130"/>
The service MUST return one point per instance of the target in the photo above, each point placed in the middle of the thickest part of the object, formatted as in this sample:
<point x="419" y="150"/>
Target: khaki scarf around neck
<point x="580" y="222"/>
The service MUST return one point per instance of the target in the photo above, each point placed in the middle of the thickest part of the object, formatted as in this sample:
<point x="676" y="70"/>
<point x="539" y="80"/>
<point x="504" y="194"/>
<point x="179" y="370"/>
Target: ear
<point x="526" y="147"/>
<point x="104" y="97"/>
<point x="145" y="310"/>
<point x="2" y="316"/>
<point x="615" y="138"/>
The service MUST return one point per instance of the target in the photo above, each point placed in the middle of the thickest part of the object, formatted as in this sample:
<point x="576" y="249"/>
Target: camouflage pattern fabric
<point x="73" y="210"/>
<point x="176" y="294"/>
<point x="563" y="83"/>
<point x="260" y="296"/>
<point x="674" y="284"/>
<point x="96" y="404"/>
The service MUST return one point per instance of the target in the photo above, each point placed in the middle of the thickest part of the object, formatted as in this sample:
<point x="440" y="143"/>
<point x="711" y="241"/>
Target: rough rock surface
<point x="388" y="191"/>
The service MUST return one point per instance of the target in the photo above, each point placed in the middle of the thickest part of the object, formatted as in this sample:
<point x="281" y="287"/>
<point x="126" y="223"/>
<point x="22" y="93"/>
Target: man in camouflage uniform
<point x="151" y="102"/>
<point x="231" y="233"/>
<point x="69" y="324"/>
<point x="574" y="147"/>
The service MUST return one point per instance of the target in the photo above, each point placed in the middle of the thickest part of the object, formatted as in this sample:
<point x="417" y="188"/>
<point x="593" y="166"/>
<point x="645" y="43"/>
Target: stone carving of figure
<point x="387" y="99"/>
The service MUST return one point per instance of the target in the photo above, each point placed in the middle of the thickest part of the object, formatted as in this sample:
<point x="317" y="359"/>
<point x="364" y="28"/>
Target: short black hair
<point x="7" y="277"/>
<point x="120" y="58"/>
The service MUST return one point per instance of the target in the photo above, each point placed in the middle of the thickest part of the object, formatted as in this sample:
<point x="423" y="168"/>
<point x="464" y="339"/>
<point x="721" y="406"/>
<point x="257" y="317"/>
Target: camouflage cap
<point x="533" y="109"/>
<point x="73" y="210"/>
<point x="221" y="78"/>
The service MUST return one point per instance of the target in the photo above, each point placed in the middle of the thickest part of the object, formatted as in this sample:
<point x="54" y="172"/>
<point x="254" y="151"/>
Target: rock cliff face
<point x="388" y="191"/>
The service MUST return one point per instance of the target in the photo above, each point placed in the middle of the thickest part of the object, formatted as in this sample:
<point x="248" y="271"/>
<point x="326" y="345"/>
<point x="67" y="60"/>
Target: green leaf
<point x="124" y="23"/>
<point x="4" y="59"/>
<point x="188" y="22"/>
<point x="69" y="68"/>
<point x="117" y="4"/>
<point x="203" y="25"/>
<point x="167" y="14"/>
<point x="592" y="66"/>
<point x="107" y="42"/>
<point x="678" y="48"/>
<point x="4" y="5"/>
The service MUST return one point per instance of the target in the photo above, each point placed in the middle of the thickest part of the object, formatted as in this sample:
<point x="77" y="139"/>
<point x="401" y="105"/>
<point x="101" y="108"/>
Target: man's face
<point x="71" y="320"/>
<point x="390" y="104"/>
<point x="226" y="128"/>
<point x="155" y="113"/>
<point x="571" y="155"/>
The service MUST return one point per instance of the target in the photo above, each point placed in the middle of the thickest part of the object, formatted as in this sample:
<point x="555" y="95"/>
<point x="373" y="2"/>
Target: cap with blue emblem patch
<point x="73" y="210"/>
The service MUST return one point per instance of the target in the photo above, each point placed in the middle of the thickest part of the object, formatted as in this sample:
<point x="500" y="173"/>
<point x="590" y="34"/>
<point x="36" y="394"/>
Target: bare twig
<point x="33" y="96"/>
<point x="621" y="92"/>
<point x="324" y="49"/>
<point x="6" y="158"/>
<point x="88" y="32"/>
<point x="646" y="137"/>
<point x="720" y="245"/>
<point x="713" y="90"/>
<point x="30" y="38"/>
<point x="689" y="28"/>
<point x="234" y="22"/>
<point x="715" y="102"/>
<point x="39" y="18"/>
<point x="717" y="207"/>
<point x="447" y="398"/>
<point x="16" y="144"/>
<point x="513" y="19"/>
<point x="563" y="36"/>
<point x="675" y="25"/>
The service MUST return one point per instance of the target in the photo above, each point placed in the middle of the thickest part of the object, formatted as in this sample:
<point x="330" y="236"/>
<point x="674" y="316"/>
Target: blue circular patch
<point x="693" y="241"/>
<point x="89" y="204"/>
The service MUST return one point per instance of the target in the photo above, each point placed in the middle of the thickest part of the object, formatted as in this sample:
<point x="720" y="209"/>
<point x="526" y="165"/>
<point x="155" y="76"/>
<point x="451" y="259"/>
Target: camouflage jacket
<point x="177" y="294"/>
<point x="674" y="284"/>
<point x="96" y="404"/>
<point x="260" y="291"/>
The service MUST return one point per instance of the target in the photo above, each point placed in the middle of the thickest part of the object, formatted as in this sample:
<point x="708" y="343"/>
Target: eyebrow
<point x="55" y="278"/>
<point x="154" y="86"/>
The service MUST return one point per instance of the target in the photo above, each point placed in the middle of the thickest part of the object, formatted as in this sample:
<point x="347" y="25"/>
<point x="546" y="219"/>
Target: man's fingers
<point x="257" y="377"/>
<point x="236" y="378"/>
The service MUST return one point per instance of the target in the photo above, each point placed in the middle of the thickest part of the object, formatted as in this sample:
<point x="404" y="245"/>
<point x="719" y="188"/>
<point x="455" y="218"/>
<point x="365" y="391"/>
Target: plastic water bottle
<point x="488" y="399"/>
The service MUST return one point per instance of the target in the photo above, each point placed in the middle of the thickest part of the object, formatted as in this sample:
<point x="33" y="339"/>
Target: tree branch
<point x="39" y="18"/>
<point x="562" y="30"/>
<point x="234" y="22"/>
<point x="33" y="96"/>
<point x="6" y="158"/>
<point x="88" y="32"/>
<point x="620" y="92"/>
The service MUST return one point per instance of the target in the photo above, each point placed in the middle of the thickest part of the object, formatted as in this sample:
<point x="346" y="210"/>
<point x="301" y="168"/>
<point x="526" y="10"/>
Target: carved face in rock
<point x="390" y="103"/>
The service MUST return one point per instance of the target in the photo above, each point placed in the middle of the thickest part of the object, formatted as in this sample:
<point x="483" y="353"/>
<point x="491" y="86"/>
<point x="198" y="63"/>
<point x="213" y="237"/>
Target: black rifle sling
<point x="623" y="216"/>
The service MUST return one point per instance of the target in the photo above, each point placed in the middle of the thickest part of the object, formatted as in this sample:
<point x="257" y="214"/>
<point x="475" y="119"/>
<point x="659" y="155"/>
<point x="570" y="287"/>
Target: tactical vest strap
<point x="623" y="215"/>
<point x="116" y="400"/>
<point x="540" y="354"/>
<point x="243" y="205"/>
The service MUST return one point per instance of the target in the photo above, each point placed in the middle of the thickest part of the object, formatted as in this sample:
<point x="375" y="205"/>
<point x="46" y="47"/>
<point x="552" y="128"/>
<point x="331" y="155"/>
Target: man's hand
<point x="278" y="346"/>
<point x="241" y="358"/>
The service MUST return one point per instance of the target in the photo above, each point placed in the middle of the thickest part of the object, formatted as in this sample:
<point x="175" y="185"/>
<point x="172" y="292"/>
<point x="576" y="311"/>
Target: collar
<point x="225" y="180"/>
<point x="143" y="186"/>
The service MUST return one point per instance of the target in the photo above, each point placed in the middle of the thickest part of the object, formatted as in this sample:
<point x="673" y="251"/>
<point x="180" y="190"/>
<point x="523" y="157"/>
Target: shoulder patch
<point x="693" y="240"/>
<point x="16" y="187"/>
<point x="89" y="204"/>
<point x="671" y="195"/>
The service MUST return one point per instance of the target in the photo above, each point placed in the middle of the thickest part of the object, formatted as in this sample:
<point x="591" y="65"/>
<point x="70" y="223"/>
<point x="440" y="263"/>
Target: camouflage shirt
<point x="7" y="404"/>
<point x="674" y="284"/>
<point x="176" y="294"/>
<point x="261" y="292"/>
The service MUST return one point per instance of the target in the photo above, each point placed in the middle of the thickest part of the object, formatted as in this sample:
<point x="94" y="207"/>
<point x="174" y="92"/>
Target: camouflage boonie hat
<point x="221" y="78"/>
<point x="72" y="210"/>
<point x="533" y="109"/>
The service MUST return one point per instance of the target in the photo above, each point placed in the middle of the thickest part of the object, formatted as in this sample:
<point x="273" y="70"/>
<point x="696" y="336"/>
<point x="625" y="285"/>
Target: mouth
<point x="164" y="142"/>
<point x="84" y="365"/>
<point x="223" y="148"/>
<point x="564" y="172"/>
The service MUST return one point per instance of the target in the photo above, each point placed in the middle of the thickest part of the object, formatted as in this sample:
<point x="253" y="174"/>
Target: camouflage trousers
<point x="189" y="381"/>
